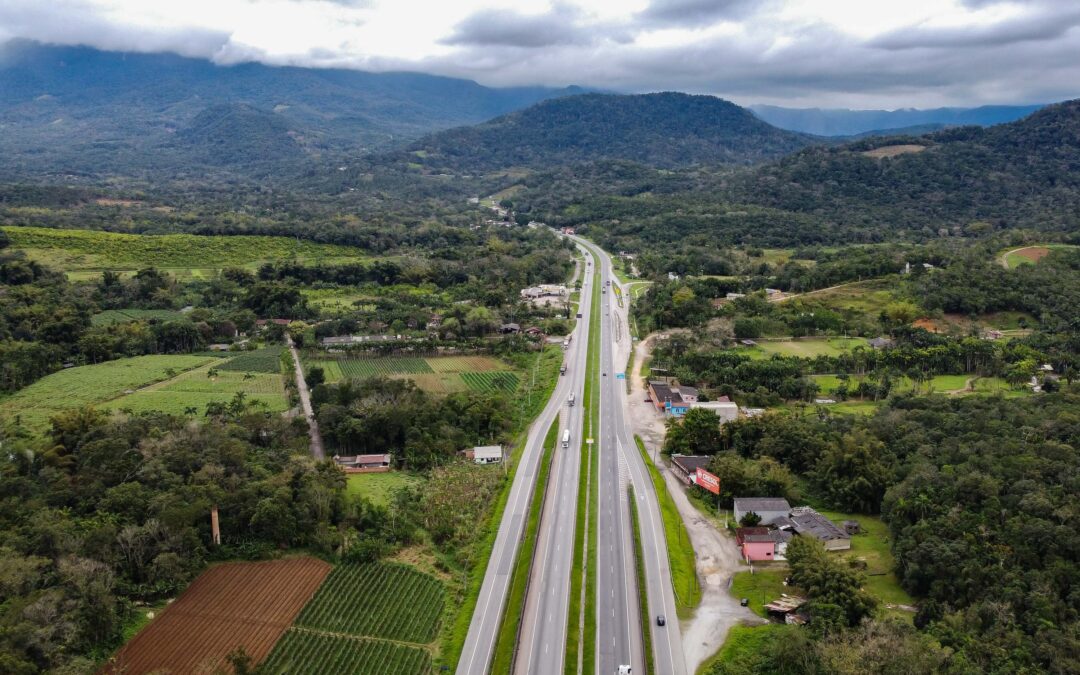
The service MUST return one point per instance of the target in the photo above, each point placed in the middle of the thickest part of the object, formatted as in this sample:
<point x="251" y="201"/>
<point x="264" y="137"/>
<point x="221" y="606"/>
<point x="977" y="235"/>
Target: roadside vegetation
<point x="510" y="625"/>
<point x="680" y="553"/>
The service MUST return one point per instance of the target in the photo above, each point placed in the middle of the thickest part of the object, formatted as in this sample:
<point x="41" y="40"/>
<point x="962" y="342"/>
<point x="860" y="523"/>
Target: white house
<point x="769" y="509"/>
<point x="727" y="411"/>
<point x="486" y="454"/>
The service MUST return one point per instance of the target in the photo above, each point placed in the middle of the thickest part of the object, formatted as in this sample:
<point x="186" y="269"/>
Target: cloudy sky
<point x="830" y="53"/>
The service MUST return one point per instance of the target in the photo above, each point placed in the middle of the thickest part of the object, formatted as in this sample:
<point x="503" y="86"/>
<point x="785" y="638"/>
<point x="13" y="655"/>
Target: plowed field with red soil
<point x="233" y="605"/>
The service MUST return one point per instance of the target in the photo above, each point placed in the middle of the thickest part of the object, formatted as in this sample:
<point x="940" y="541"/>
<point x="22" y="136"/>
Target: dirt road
<point x="715" y="551"/>
<point x="305" y="404"/>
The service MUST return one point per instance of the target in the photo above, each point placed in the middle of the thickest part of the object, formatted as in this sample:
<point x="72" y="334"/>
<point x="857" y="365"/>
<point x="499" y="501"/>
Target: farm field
<point x="265" y="360"/>
<point x="379" y="487"/>
<point x="1029" y="255"/>
<point x="302" y="652"/>
<point x="92" y="385"/>
<point x="384" y="600"/>
<point x="197" y="389"/>
<point x="336" y="299"/>
<point x="863" y="297"/>
<point x="805" y="348"/>
<point x="85" y="253"/>
<point x="111" y="316"/>
<point x="232" y="605"/>
<point x="371" y="618"/>
<point x="436" y="375"/>
<point x="939" y="384"/>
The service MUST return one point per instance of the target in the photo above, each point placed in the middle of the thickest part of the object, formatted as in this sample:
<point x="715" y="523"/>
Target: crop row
<point x="379" y="600"/>
<point x="265" y="360"/>
<point x="385" y="366"/>
<point x="491" y="381"/>
<point x="301" y="652"/>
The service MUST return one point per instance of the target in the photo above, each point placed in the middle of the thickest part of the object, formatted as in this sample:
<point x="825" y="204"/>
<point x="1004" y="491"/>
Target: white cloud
<point x="889" y="53"/>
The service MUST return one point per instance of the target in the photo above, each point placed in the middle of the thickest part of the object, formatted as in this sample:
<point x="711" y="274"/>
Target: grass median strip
<point x="510" y="626"/>
<point x="643" y="597"/>
<point x="680" y="553"/>
<point x="581" y="617"/>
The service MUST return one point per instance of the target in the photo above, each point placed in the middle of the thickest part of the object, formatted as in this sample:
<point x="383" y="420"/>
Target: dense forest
<point x="666" y="130"/>
<point x="980" y="497"/>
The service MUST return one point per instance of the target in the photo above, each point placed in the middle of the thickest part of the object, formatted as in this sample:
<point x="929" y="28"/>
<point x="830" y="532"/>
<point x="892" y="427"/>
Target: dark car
<point x="660" y="620"/>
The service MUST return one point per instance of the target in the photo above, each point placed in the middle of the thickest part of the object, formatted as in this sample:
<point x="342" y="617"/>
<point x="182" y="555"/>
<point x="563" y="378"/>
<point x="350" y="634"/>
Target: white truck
<point x="570" y="401"/>
<point x="566" y="438"/>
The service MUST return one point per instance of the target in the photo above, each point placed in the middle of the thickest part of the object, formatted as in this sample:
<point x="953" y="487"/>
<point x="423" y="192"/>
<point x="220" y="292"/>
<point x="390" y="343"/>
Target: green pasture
<point x="436" y="375"/>
<point x="806" y="348"/>
<point x="1013" y="259"/>
<point x="199" y="387"/>
<point x="92" y="385"/>
<point x="380" y="487"/>
<point x="85" y="254"/>
<point x="112" y="316"/>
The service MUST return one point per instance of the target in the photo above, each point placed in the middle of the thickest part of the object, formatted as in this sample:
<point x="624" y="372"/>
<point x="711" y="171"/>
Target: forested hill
<point x="664" y="130"/>
<point x="844" y="122"/>
<point x="1026" y="173"/>
<point x="65" y="106"/>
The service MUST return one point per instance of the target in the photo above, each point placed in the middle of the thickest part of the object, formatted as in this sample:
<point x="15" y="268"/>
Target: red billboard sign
<point x="707" y="481"/>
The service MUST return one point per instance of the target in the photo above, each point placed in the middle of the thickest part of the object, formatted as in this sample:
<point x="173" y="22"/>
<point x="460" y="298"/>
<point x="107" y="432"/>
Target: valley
<point x="313" y="369"/>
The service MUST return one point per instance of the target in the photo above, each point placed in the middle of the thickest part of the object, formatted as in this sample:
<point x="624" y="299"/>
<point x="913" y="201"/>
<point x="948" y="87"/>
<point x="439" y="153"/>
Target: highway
<point x="615" y="405"/>
<point x="618" y="622"/>
<point x="542" y="644"/>
<point x="479" y="644"/>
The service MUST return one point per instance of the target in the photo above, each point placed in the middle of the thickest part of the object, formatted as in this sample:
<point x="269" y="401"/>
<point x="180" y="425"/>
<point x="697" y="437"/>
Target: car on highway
<point x="660" y="620"/>
<point x="623" y="670"/>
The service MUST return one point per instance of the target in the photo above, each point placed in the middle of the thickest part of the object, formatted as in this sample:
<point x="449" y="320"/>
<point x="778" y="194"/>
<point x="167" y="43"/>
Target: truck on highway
<point x="562" y="371"/>
<point x="570" y="401"/>
<point x="566" y="438"/>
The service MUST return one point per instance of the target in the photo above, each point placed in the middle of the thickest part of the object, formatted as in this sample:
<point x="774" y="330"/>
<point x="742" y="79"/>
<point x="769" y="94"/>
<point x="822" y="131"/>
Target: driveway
<point x="717" y="556"/>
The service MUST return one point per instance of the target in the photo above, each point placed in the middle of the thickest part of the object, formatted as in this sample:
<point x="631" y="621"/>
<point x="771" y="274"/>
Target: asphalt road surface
<point x="668" y="655"/>
<point x="618" y="628"/>
<point x="542" y="645"/>
<point x="484" y="627"/>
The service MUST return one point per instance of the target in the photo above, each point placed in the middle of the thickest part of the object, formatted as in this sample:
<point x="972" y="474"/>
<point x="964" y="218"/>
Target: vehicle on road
<point x="571" y="399"/>
<point x="660" y="620"/>
<point x="623" y="670"/>
<point x="562" y="371"/>
<point x="566" y="438"/>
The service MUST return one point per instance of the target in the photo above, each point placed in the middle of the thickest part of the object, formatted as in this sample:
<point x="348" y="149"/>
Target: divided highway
<point x="543" y="630"/>
<point x="546" y="641"/>
<point x="615" y="406"/>
<point x="619" y="623"/>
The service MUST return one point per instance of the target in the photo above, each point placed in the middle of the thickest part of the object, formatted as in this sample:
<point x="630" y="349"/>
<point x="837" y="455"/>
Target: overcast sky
<point x="828" y="53"/>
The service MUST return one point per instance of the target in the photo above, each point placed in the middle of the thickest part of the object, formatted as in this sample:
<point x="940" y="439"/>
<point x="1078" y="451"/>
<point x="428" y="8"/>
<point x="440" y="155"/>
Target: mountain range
<point x="71" y="108"/>
<point x="845" y="122"/>
<point x="664" y="130"/>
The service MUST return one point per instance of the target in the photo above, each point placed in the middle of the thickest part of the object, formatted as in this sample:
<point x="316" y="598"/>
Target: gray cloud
<point x="75" y="22"/>
<point x="509" y="28"/>
<point x="698" y="12"/>
<point x="1025" y="59"/>
<point x="1044" y="23"/>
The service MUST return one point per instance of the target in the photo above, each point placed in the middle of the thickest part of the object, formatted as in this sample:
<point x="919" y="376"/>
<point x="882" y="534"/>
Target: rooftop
<point x="809" y="521"/>
<point x="759" y="504"/>
<point x="690" y="463"/>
